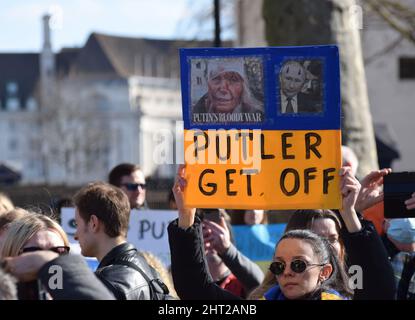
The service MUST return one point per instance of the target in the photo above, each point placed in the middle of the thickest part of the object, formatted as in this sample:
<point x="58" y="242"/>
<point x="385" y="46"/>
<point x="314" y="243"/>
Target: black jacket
<point x="78" y="281"/>
<point x="191" y="276"/>
<point x="124" y="282"/>
<point x="365" y="249"/>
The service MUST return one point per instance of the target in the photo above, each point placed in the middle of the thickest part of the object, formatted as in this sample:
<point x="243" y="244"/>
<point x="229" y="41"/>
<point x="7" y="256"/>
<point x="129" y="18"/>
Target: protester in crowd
<point x="8" y="218"/>
<point x="33" y="232"/>
<point x="253" y="217"/>
<point x="371" y="189"/>
<point x="400" y="244"/>
<point x="351" y="247"/>
<point x="130" y="178"/>
<point x="185" y="235"/>
<point x="248" y="217"/>
<point x="78" y="281"/>
<point x="255" y="229"/>
<point x="361" y="247"/>
<point x="306" y="267"/>
<point x="349" y="159"/>
<point x="102" y="216"/>
<point x="229" y="268"/>
<point x="5" y="204"/>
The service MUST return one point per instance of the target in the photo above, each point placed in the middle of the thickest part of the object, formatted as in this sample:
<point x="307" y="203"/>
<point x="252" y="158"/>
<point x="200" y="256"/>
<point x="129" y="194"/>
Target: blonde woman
<point x="33" y="232"/>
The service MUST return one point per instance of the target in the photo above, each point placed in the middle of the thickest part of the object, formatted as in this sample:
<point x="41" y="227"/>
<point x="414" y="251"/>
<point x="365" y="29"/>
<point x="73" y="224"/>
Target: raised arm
<point x="371" y="189"/>
<point x="349" y="187"/>
<point x="364" y="247"/>
<point x="191" y="277"/>
<point x="186" y="215"/>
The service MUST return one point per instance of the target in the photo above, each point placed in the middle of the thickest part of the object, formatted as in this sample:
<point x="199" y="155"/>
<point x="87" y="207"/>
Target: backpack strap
<point x="155" y="284"/>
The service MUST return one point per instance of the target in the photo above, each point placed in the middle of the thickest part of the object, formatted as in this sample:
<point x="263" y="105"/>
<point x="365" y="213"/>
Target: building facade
<point x="69" y="117"/>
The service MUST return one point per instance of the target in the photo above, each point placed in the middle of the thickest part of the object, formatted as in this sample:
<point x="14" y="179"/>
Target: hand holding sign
<point x="186" y="215"/>
<point x="349" y="187"/>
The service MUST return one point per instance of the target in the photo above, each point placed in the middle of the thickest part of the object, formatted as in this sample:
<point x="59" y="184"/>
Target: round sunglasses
<point x="297" y="266"/>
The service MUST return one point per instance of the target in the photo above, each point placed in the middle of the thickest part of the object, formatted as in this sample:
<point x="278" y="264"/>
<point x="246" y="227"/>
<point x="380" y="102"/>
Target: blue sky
<point x="21" y="29"/>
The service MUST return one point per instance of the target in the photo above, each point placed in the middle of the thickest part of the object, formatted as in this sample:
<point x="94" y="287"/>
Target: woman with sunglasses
<point x="321" y="263"/>
<point x="354" y="240"/>
<point x="33" y="232"/>
<point x="305" y="266"/>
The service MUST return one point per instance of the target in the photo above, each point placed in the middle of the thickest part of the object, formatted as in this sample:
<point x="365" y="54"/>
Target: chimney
<point x="46" y="64"/>
<point x="46" y="32"/>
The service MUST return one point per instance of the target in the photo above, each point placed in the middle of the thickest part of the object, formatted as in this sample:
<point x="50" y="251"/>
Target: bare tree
<point x="198" y="22"/>
<point x="75" y="135"/>
<point x="396" y="15"/>
<point x="302" y="22"/>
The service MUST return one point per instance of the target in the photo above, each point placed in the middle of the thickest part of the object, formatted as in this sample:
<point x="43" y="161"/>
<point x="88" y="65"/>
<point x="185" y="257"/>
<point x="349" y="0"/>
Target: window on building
<point x="12" y="100"/>
<point x="198" y="65"/>
<point x="199" y="80"/>
<point x="12" y="104"/>
<point x="406" y="68"/>
<point x="11" y="88"/>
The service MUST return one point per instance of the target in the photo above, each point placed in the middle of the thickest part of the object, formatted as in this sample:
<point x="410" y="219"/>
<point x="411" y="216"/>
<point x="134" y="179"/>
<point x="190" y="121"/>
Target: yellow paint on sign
<point x="260" y="169"/>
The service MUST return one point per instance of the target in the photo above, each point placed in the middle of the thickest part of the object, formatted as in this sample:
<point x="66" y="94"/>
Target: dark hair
<point x="123" y="169"/>
<point x="304" y="219"/>
<point x="338" y="279"/>
<point x="109" y="203"/>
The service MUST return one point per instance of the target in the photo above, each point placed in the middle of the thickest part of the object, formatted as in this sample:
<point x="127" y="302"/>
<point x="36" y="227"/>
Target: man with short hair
<point x="293" y="76"/>
<point x="130" y="178"/>
<point x="102" y="213"/>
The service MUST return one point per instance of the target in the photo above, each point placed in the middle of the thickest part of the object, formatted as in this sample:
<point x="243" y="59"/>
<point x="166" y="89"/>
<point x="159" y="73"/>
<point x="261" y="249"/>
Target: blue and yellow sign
<point x="262" y="127"/>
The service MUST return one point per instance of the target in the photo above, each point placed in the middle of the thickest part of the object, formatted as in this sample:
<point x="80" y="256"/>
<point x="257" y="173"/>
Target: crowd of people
<point x="322" y="255"/>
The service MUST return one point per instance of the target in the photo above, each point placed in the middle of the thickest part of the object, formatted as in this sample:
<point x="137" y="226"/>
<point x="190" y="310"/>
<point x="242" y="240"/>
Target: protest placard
<point x="262" y="127"/>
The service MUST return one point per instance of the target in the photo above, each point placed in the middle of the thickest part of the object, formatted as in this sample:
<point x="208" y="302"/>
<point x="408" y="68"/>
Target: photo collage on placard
<point x="254" y="88"/>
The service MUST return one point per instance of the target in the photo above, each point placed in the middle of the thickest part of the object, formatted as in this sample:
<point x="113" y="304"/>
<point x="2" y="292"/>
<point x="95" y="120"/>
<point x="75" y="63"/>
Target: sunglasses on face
<point x="297" y="266"/>
<point x="134" y="186"/>
<point x="59" y="250"/>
